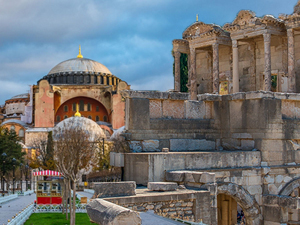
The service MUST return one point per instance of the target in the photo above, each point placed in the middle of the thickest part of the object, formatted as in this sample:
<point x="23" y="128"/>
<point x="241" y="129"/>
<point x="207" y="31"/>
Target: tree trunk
<point x="70" y="202"/>
<point x="74" y="202"/>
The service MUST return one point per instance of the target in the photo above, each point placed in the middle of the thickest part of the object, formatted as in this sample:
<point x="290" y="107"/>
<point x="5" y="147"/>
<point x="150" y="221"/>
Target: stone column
<point x="267" y="46"/>
<point x="177" y="71"/>
<point x="215" y="48"/>
<point x="291" y="61"/>
<point x="235" y="66"/>
<point x="192" y="75"/>
<point x="105" y="80"/>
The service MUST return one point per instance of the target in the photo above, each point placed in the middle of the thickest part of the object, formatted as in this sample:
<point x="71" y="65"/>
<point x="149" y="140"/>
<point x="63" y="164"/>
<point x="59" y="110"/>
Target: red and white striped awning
<point x="50" y="173"/>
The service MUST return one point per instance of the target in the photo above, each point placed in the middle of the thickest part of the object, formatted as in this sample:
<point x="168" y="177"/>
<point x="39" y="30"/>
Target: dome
<point x="79" y="65"/>
<point x="92" y="128"/>
<point x="26" y="95"/>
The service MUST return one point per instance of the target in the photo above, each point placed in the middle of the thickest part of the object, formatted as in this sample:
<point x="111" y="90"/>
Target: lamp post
<point x="26" y="175"/>
<point x="21" y="167"/>
<point x="14" y="165"/>
<point x="3" y="171"/>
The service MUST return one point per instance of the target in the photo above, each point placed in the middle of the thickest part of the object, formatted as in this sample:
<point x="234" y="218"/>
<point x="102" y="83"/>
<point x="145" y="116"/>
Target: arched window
<point x="65" y="116"/>
<point x="81" y="105"/>
<point x="97" y="118"/>
<point x="89" y="107"/>
<point x="12" y="127"/>
<point x="95" y="79"/>
<point x="89" y="117"/>
<point x="74" y="107"/>
<point x="66" y="108"/>
<point x="21" y="133"/>
<point x="57" y="118"/>
<point x="105" y="118"/>
<point x="97" y="108"/>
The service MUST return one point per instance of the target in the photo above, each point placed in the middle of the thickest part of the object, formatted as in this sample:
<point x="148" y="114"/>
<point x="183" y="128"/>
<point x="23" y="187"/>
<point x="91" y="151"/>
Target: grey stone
<point x="106" y="213"/>
<point x="177" y="176"/>
<point x="191" y="144"/>
<point x="113" y="189"/>
<point x="165" y="150"/>
<point x="150" y="145"/>
<point x="162" y="186"/>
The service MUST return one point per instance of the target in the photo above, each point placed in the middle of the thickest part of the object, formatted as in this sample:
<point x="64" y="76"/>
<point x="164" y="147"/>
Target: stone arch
<point x="245" y="199"/>
<point x="290" y="186"/>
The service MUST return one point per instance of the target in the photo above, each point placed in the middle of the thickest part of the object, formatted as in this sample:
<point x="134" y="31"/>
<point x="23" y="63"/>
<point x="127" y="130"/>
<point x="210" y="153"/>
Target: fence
<point x="8" y="198"/>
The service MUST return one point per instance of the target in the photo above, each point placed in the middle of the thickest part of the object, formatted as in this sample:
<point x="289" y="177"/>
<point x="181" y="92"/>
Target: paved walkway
<point x="9" y="209"/>
<point x="85" y="194"/>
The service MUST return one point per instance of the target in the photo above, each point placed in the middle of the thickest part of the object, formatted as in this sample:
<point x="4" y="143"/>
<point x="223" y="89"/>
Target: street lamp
<point x="3" y="171"/>
<point x="26" y="175"/>
<point x="14" y="165"/>
<point x="21" y="166"/>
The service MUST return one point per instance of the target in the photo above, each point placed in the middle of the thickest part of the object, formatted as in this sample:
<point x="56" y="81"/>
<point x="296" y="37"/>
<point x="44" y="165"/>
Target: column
<point x="235" y="66"/>
<point x="215" y="48"/>
<point x="267" y="46"/>
<point x="104" y="80"/>
<point x="192" y="75"/>
<point x="177" y="71"/>
<point x="291" y="61"/>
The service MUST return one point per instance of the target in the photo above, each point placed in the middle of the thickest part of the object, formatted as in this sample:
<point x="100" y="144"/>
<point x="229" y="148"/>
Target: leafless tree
<point x="74" y="150"/>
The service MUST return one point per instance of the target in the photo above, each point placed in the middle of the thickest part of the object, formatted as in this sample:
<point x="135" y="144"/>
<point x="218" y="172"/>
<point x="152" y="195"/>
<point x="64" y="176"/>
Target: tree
<point x="44" y="152"/>
<point x="74" y="150"/>
<point x="10" y="144"/>
<point x="184" y="75"/>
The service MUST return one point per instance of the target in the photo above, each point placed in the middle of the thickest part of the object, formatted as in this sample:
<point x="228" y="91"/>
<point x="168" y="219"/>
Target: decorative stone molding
<point x="200" y="29"/>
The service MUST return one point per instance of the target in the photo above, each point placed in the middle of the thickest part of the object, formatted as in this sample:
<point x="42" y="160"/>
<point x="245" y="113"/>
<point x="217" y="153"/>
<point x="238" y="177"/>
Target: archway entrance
<point x="227" y="210"/>
<point x="241" y="197"/>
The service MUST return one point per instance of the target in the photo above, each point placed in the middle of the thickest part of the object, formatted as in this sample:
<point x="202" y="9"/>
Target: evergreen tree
<point x="184" y="72"/>
<point x="10" y="144"/>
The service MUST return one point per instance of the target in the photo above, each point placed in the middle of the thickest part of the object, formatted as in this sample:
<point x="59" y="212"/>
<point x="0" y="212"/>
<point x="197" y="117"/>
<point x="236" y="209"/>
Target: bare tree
<point x="74" y="150"/>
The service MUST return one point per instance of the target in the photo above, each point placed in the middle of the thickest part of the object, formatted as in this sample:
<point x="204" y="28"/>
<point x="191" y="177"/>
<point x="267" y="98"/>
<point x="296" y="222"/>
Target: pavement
<point x="9" y="209"/>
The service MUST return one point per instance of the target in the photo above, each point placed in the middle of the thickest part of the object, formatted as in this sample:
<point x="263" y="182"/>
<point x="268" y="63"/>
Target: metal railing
<point x="8" y="198"/>
<point x="20" y="218"/>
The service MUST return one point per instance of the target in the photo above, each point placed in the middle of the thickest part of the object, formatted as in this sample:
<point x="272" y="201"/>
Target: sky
<point x="132" y="38"/>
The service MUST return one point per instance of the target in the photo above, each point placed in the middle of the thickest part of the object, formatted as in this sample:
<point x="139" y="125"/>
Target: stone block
<point x="173" y="109"/>
<point x="137" y="115"/>
<point x="207" y="178"/>
<point x="247" y="144"/>
<point x="113" y="189"/>
<point x="279" y="179"/>
<point x="191" y="144"/>
<point x="155" y="108"/>
<point x="135" y="146"/>
<point x="150" y="145"/>
<point x="165" y="150"/>
<point x="107" y="213"/>
<point x="255" y="189"/>
<point x="242" y="135"/>
<point x="272" y="189"/>
<point x="162" y="186"/>
<point x="195" y="110"/>
<point x="272" y="213"/>
<point x="177" y="176"/>
<point x="269" y="179"/>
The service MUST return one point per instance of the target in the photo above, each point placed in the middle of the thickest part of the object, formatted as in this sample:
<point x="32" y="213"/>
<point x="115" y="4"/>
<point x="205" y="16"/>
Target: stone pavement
<point x="9" y="209"/>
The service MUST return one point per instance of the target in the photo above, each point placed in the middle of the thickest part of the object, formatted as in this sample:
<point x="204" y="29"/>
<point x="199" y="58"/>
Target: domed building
<point x="77" y="82"/>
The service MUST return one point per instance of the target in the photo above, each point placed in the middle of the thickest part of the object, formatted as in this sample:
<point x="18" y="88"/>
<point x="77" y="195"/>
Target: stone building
<point x="250" y="54"/>
<point x="235" y="134"/>
<point x="78" y="81"/>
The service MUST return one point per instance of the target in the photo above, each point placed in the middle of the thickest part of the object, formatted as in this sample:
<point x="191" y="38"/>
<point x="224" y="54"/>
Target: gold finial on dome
<point x="79" y="55"/>
<point x="197" y="18"/>
<point x="77" y="114"/>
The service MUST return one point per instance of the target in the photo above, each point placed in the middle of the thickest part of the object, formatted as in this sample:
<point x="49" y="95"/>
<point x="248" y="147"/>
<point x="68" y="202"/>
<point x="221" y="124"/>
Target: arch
<point x="87" y="107"/>
<point x="21" y="133"/>
<point x="245" y="199"/>
<point x="290" y="186"/>
<point x="104" y="127"/>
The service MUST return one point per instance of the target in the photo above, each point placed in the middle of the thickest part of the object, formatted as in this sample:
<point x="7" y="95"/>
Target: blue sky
<point x="133" y="38"/>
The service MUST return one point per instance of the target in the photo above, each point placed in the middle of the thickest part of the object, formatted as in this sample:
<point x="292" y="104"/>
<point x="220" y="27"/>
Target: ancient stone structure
<point x="249" y="54"/>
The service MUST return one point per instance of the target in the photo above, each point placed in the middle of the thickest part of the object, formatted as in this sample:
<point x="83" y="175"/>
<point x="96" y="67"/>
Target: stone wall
<point x="182" y="209"/>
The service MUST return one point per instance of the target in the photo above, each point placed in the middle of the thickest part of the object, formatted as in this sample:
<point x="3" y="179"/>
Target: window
<point x="95" y="80"/>
<point x="89" y="117"/>
<point x="12" y="127"/>
<point x="81" y="105"/>
<point x="74" y="107"/>
<point x="66" y="108"/>
<point x="57" y="118"/>
<point x="97" y="108"/>
<point x="89" y="107"/>
<point x="81" y="79"/>
<point x="97" y="118"/>
<point x="105" y="118"/>
<point x="21" y="133"/>
<point x="65" y="116"/>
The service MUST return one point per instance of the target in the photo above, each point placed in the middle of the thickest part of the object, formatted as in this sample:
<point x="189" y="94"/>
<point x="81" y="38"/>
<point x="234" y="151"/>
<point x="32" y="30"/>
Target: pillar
<point x="192" y="75"/>
<point x="177" y="71"/>
<point x="105" y="80"/>
<point x="291" y="61"/>
<point x="267" y="46"/>
<point x="215" y="48"/>
<point x="235" y="66"/>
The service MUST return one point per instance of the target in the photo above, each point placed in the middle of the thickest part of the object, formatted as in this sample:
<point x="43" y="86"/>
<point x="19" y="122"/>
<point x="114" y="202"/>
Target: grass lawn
<point x="56" y="219"/>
